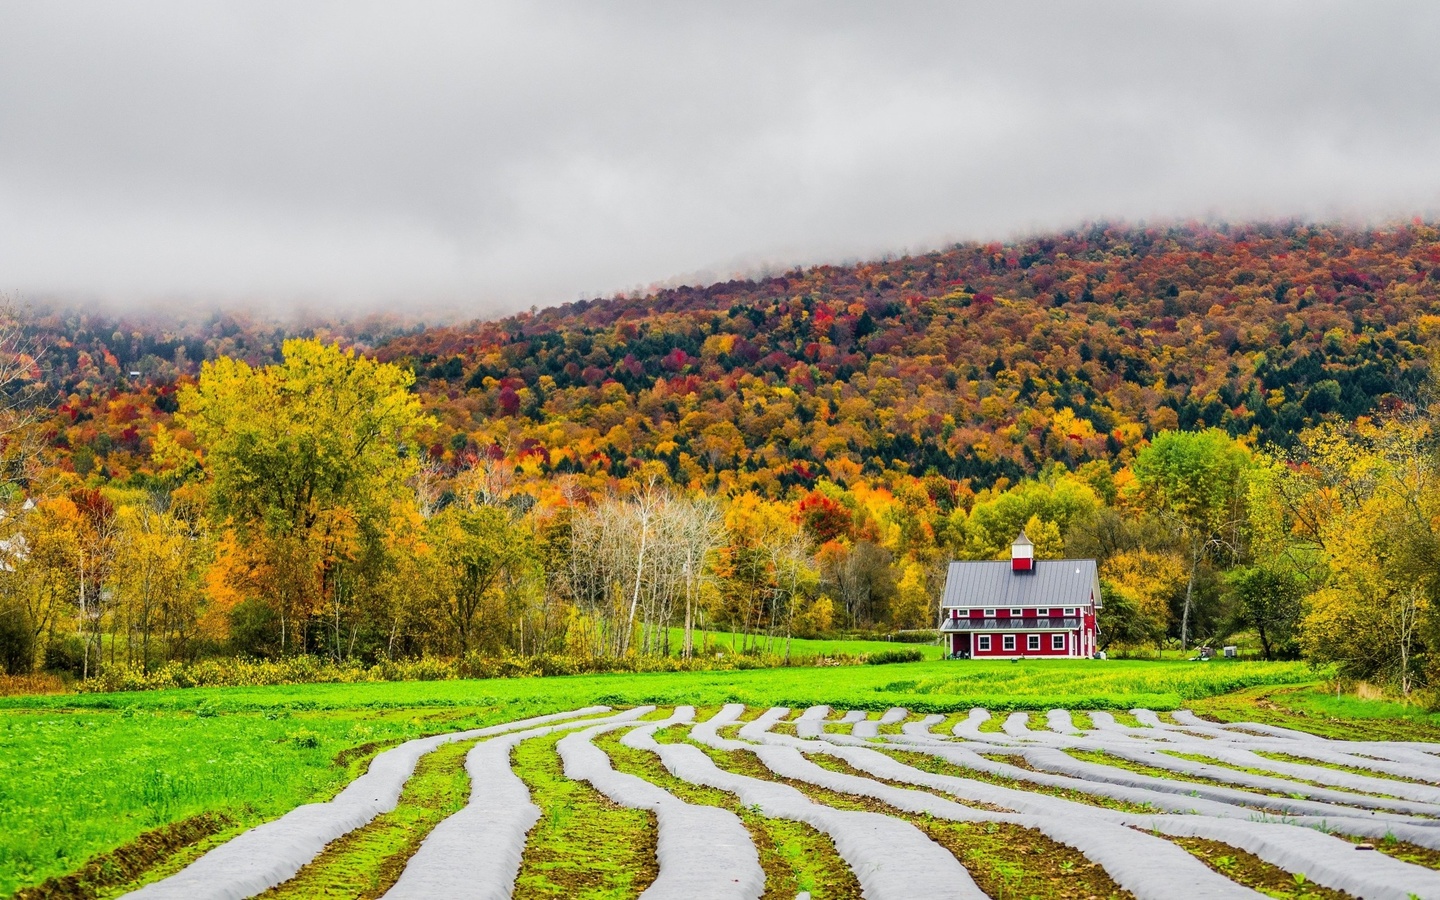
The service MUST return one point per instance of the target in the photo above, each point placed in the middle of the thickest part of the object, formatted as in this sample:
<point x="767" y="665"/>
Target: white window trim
<point x="983" y="642"/>
<point x="1032" y="642"/>
<point x="1016" y="612"/>
<point x="1069" y="611"/>
<point x="1057" y="642"/>
<point x="988" y="613"/>
<point x="1008" y="643"/>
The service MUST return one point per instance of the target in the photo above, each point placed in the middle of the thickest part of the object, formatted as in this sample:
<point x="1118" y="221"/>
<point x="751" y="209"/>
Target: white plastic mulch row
<point x="1147" y="866"/>
<point x="1119" y="787"/>
<point x="1320" y="857"/>
<point x="475" y="854"/>
<point x="1402" y="759"/>
<point x="271" y="853"/>
<point x="1149" y="745"/>
<point x="1323" y="859"/>
<point x="1350" y="781"/>
<point x="703" y="851"/>
<point x="1313" y="801"/>
<point x="868" y="728"/>
<point x="892" y="859"/>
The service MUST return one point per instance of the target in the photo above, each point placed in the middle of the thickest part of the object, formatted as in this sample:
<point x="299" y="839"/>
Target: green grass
<point x="82" y="775"/>
<point x="726" y="642"/>
<point x="77" y="783"/>
<point x="1313" y="709"/>
<point x="584" y="845"/>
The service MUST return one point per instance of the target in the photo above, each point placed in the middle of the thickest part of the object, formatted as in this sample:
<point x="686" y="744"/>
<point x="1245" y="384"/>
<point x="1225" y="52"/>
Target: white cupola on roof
<point x="1022" y="554"/>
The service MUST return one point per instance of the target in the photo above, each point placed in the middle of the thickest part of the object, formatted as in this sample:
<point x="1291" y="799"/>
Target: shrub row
<point x="233" y="672"/>
<point x="894" y="656"/>
<point x="40" y="683"/>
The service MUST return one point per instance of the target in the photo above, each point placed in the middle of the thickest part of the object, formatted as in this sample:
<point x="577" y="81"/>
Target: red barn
<point x="1022" y="607"/>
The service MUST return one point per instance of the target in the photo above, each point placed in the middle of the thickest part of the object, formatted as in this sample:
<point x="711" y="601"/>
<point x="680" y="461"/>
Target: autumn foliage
<point x="781" y="456"/>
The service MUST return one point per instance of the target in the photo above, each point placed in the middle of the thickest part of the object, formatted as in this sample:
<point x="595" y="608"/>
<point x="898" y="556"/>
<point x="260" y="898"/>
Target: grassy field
<point x="81" y="775"/>
<point x="726" y="642"/>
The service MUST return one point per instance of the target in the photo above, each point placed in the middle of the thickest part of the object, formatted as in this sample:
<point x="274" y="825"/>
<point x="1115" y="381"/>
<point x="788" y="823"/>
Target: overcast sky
<point x="490" y="157"/>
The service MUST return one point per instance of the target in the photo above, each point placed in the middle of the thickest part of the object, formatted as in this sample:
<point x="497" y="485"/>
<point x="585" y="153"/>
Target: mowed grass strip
<point x="794" y="855"/>
<point x="993" y="725"/>
<point x="1255" y="873"/>
<point x="83" y="787"/>
<point x="584" y="846"/>
<point x="366" y="862"/>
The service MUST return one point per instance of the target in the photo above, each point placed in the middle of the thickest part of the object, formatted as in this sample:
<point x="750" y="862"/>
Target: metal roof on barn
<point x="1053" y="582"/>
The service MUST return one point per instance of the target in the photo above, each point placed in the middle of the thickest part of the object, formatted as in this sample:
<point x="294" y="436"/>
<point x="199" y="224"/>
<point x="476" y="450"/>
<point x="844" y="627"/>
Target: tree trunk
<point x="1189" y="595"/>
<point x="639" y="577"/>
<point x="689" y="612"/>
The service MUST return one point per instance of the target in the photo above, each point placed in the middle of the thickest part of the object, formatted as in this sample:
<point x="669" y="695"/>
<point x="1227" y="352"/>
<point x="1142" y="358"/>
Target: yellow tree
<point x="156" y="580"/>
<point x="1368" y="498"/>
<point x="995" y="520"/>
<point x="762" y="567"/>
<point x="42" y="568"/>
<point x="305" y="460"/>
<point x="1142" y="583"/>
<point x="474" y="548"/>
<point x="914" y="605"/>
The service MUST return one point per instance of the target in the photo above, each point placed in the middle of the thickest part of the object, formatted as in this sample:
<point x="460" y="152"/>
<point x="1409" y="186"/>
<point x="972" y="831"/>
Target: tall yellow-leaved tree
<point x="304" y="461"/>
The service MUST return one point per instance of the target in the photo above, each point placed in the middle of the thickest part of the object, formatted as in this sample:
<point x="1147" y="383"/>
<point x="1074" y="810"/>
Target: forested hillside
<point x="977" y="362"/>
<point x="1237" y="423"/>
<point x="110" y="379"/>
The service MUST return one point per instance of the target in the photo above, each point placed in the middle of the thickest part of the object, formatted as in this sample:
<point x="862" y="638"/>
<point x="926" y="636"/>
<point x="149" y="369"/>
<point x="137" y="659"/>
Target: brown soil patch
<point x="1254" y="872"/>
<point x="350" y="754"/>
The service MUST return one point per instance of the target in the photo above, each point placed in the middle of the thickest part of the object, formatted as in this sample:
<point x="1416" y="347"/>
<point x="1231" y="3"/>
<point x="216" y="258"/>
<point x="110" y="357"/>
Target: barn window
<point x="1069" y="610"/>
<point x="1016" y="613"/>
<point x="1009" y="642"/>
<point x="984" y="643"/>
<point x="1057" y="642"/>
<point x="989" y="613"/>
<point x="1032" y="642"/>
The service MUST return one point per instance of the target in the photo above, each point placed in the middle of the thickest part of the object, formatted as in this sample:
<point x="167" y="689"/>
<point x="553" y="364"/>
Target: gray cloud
<point x="487" y="158"/>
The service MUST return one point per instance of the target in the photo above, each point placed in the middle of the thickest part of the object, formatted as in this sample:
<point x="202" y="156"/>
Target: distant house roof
<point x="1053" y="582"/>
